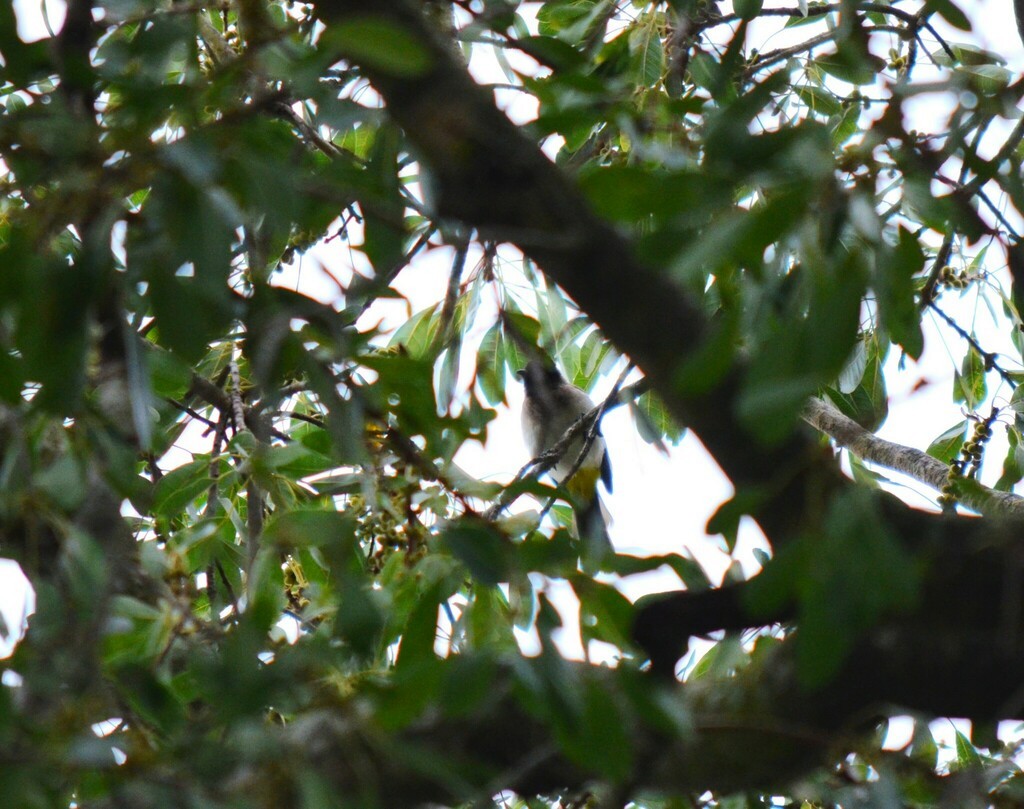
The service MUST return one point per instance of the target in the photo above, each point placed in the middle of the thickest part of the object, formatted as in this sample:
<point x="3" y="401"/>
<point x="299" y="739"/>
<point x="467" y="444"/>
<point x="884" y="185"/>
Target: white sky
<point x="660" y="504"/>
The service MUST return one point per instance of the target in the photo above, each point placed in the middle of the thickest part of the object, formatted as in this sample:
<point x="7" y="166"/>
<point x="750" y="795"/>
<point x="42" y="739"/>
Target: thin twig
<point x="237" y="408"/>
<point x="451" y="296"/>
<point x="988" y="357"/>
<point x="941" y="260"/>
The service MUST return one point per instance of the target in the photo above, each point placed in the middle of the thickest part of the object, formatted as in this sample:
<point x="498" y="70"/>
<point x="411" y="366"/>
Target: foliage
<point x="262" y="577"/>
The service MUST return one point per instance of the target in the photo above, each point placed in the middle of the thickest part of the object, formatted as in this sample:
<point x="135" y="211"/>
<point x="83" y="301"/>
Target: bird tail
<point x="592" y="529"/>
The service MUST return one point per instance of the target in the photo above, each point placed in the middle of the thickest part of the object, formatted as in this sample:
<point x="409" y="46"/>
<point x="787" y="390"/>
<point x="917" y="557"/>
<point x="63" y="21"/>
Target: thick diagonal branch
<point x="921" y="466"/>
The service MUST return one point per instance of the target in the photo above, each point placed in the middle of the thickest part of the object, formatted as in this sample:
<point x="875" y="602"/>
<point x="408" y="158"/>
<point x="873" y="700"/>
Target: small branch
<point x="216" y="45"/>
<point x="941" y="260"/>
<point x="782" y="54"/>
<point x="213" y="502"/>
<point x="237" y="408"/>
<point x="254" y="519"/>
<point x="826" y="417"/>
<point x="451" y="297"/>
<point x="969" y="191"/>
<point x="309" y="132"/>
<point x="988" y="357"/>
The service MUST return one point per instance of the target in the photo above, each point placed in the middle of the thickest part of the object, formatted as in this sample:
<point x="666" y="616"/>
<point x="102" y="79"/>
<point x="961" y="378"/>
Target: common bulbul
<point x="551" y="407"/>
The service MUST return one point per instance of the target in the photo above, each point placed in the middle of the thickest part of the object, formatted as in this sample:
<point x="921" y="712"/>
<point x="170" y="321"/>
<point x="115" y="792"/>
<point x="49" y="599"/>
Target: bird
<point x="550" y="408"/>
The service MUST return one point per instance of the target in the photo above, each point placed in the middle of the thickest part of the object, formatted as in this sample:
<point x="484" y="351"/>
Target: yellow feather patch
<point x="583" y="484"/>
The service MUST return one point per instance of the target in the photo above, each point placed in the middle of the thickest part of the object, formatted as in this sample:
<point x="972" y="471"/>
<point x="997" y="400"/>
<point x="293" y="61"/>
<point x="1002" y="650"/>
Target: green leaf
<point x="488" y="621"/>
<point x="605" y="614"/>
<point x="819" y="100"/>
<point x="633" y="193"/>
<point x="181" y="486"/>
<point x="381" y="44"/>
<point x="868" y="403"/>
<point x="552" y="51"/>
<point x="1013" y="464"/>
<point x="405" y="387"/>
<point x="988" y="79"/>
<point x="420" y="631"/>
<point x="182" y="248"/>
<point x="967" y="756"/>
<point x="648" y="54"/>
<point x="894" y="284"/>
<point x="418" y="334"/>
<point x="853" y="372"/>
<point x="969" y="384"/>
<point x="950" y="12"/>
<point x="477" y="544"/>
<point x="845" y="125"/>
<point x="301" y="528"/>
<point x="793" y="363"/>
<point x="519" y="330"/>
<point x="265" y="590"/>
<point x="748" y="9"/>
<point x="947" y="445"/>
<point x="860" y="69"/>
<point x="967" y="53"/>
<point x="922" y="747"/>
<point x="856" y="572"/>
<point x="490" y="365"/>
<point x="599" y="741"/>
<point x="653" y="421"/>
<point x="384" y="225"/>
<point x="726" y="519"/>
<point x="572" y="22"/>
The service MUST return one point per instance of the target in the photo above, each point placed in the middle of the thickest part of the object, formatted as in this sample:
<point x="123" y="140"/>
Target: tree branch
<point x="823" y="415"/>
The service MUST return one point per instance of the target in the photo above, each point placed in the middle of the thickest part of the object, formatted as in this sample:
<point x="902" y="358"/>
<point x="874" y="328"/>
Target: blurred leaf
<point x="605" y="614"/>
<point x="384" y="241"/>
<point x="855" y="70"/>
<point x="922" y="747"/>
<point x="489" y="621"/>
<point x="381" y="44"/>
<point x="551" y="51"/>
<point x="490" y="365"/>
<point x="301" y="528"/>
<point x="488" y="555"/>
<point x="857" y="573"/>
<point x="894" y="284"/>
<point x="1013" y="464"/>
<point x="726" y="519"/>
<point x="819" y="100"/>
<point x="632" y="193"/>
<point x="793" y="363"/>
<point x="950" y="12"/>
<point x="418" y="334"/>
<point x="653" y="421"/>
<point x="967" y="53"/>
<point x="748" y="9"/>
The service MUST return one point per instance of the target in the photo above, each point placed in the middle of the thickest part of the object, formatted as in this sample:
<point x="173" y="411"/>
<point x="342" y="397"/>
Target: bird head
<point x="539" y="376"/>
